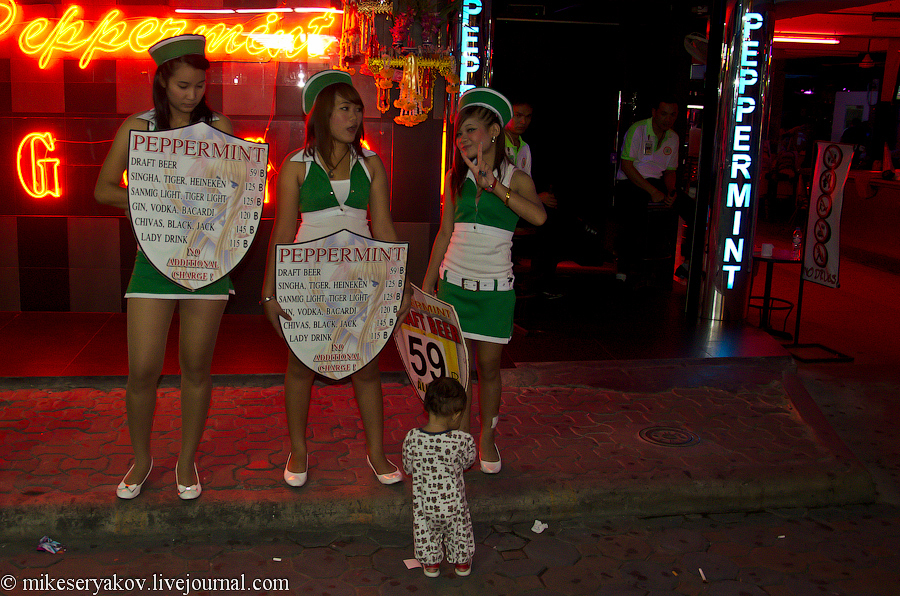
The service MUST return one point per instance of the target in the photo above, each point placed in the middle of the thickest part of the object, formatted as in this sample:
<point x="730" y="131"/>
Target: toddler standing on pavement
<point x="436" y="456"/>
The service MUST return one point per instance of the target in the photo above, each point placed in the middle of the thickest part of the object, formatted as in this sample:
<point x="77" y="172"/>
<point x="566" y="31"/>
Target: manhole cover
<point x="668" y="436"/>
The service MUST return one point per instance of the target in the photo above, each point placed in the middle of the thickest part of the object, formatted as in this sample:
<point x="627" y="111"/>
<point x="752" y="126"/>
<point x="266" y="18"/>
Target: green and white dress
<point x="328" y="206"/>
<point x="476" y="274"/>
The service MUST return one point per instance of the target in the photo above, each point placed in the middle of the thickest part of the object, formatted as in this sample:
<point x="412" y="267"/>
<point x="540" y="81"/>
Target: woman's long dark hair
<point x="460" y="170"/>
<point x="318" y="122"/>
<point x="161" y="102"/>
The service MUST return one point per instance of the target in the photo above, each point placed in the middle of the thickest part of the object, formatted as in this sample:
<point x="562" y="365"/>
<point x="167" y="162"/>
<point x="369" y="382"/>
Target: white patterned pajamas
<point x="436" y="462"/>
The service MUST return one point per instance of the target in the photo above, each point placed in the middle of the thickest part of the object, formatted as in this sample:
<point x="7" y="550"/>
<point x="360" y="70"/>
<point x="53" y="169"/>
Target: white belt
<point x="479" y="285"/>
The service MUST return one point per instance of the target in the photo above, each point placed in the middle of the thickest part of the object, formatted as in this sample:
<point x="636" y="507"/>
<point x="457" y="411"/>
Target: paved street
<point x="847" y="551"/>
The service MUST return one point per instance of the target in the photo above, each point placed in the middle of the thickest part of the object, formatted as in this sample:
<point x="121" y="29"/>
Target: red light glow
<point x="40" y="174"/>
<point x="806" y="38"/>
<point x="264" y="36"/>
<point x="269" y="167"/>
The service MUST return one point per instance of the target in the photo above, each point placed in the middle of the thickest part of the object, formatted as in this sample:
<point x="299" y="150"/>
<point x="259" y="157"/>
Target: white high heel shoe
<point x="187" y="493"/>
<point x="492" y="467"/>
<point x="296" y="478"/>
<point x="130" y="491"/>
<point x="389" y="478"/>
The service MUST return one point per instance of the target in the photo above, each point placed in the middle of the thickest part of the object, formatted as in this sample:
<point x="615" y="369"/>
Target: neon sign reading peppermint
<point x="742" y="169"/>
<point x="469" y="62"/>
<point x="268" y="36"/>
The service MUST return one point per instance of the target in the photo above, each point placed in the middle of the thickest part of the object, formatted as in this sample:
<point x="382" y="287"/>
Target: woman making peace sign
<point x="471" y="259"/>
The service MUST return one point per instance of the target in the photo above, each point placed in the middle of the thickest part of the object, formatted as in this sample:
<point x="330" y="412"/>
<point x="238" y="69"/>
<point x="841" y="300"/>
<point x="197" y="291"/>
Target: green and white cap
<point x="176" y="47"/>
<point x="488" y="98"/>
<point x="319" y="81"/>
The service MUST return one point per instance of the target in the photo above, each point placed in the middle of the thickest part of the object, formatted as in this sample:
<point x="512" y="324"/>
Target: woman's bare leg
<point x="489" y="391"/>
<point x="199" y="327"/>
<point x="367" y="388"/>
<point x="465" y="423"/>
<point x="148" y="327"/>
<point x="298" y="382"/>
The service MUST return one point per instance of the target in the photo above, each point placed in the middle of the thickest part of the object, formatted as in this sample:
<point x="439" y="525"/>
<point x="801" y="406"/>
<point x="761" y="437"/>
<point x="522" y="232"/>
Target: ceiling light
<point x="204" y="11"/>
<point x="261" y="10"/>
<point x="798" y="38"/>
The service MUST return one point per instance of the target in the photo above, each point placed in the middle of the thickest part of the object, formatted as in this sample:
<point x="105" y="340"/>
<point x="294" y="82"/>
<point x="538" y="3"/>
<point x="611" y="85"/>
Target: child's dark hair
<point x="445" y="396"/>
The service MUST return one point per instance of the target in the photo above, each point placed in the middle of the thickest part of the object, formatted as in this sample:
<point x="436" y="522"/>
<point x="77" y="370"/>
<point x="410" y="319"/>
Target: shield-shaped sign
<point x="342" y="293"/>
<point x="430" y="342"/>
<point x="195" y="199"/>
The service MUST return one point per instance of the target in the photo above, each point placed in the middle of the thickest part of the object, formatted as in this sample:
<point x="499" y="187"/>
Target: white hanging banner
<point x="821" y="255"/>
<point x="195" y="200"/>
<point x="430" y="342"/>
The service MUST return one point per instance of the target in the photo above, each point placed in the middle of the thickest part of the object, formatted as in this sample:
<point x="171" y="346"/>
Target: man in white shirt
<point x="517" y="150"/>
<point x="647" y="174"/>
<point x="650" y="154"/>
<point x="548" y="236"/>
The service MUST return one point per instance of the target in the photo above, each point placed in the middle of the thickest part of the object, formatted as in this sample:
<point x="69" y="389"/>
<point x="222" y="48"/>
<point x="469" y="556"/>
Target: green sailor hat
<point x="488" y="98"/>
<point x="319" y="81"/>
<point x="176" y="47"/>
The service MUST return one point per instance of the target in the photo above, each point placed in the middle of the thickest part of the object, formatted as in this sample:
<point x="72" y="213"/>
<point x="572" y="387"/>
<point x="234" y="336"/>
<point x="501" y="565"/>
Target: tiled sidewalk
<point x="575" y="437"/>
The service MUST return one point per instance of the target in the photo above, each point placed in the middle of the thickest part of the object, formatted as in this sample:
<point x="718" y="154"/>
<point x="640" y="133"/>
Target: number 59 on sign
<point x="430" y="343"/>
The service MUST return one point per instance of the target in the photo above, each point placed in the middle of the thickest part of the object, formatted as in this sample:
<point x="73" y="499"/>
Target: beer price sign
<point x="195" y="199"/>
<point x="342" y="294"/>
<point x="430" y="342"/>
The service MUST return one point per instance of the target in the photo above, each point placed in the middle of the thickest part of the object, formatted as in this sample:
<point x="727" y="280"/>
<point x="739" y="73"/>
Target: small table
<point x="779" y="255"/>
